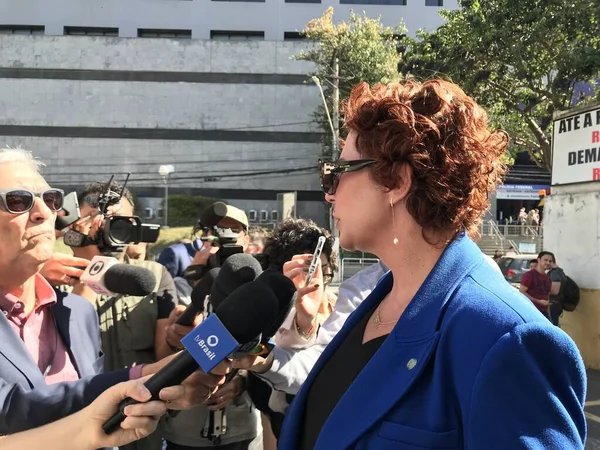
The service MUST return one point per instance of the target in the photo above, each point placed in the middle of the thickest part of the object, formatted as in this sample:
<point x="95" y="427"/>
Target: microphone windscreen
<point x="127" y="279"/>
<point x="203" y="288"/>
<point x="213" y="214"/>
<point x="284" y="289"/>
<point x="248" y="311"/>
<point x="237" y="270"/>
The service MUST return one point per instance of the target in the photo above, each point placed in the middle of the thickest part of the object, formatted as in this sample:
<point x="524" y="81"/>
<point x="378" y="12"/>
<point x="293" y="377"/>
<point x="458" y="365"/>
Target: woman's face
<point x="360" y="206"/>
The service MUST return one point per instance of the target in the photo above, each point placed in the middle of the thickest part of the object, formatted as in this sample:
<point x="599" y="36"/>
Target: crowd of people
<point x="429" y="348"/>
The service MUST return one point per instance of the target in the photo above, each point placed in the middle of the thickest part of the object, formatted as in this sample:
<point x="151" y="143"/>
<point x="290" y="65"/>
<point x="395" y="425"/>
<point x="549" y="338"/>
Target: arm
<point x="524" y="399"/>
<point x="166" y="299"/>
<point x="23" y="409"/>
<point x="287" y="369"/>
<point x="83" y="430"/>
<point x="557" y="277"/>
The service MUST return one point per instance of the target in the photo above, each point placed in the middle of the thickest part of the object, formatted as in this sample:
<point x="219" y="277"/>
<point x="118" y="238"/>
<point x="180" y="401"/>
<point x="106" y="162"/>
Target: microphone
<point x="237" y="270"/>
<point x="106" y="276"/>
<point x="284" y="290"/>
<point x="199" y="293"/>
<point x="240" y="318"/>
<point x="212" y="215"/>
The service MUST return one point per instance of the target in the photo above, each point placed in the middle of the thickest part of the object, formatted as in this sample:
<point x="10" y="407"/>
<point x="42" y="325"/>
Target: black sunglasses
<point x="330" y="172"/>
<point x="19" y="201"/>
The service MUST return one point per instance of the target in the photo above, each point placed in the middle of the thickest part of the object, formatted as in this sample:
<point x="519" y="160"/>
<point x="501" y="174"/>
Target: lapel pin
<point x="411" y="364"/>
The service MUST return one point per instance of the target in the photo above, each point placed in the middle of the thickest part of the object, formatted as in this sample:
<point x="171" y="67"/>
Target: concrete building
<point x="572" y="224"/>
<point x="233" y="118"/>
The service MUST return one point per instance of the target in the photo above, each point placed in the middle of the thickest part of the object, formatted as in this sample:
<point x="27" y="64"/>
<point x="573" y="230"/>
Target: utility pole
<point x="336" y="109"/>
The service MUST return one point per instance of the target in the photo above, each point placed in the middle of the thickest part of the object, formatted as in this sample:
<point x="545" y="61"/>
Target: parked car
<point x="513" y="267"/>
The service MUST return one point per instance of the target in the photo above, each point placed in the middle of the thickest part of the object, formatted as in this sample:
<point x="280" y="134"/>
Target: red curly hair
<point x="443" y="135"/>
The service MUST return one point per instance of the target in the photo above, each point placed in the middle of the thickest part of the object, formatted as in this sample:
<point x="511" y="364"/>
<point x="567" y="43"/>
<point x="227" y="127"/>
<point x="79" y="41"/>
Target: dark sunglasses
<point x="330" y="172"/>
<point x="19" y="201"/>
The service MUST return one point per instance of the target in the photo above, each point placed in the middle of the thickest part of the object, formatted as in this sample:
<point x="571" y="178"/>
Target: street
<point x="592" y="410"/>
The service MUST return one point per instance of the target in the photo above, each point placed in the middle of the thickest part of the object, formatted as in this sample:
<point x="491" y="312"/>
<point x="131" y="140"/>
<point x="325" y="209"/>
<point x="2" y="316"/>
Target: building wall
<point x="572" y="233"/>
<point x="273" y="17"/>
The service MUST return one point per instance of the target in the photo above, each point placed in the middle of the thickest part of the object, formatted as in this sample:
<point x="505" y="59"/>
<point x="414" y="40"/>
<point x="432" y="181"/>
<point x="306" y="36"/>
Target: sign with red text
<point x="576" y="147"/>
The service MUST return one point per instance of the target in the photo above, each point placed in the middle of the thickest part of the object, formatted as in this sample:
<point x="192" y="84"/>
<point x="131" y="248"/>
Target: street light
<point x="318" y="83"/>
<point x="164" y="171"/>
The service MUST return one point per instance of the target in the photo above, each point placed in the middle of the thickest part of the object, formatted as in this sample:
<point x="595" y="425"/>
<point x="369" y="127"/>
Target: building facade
<point x="210" y="87"/>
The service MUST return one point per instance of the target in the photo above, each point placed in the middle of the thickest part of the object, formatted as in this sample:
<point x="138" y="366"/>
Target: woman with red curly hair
<point x="444" y="353"/>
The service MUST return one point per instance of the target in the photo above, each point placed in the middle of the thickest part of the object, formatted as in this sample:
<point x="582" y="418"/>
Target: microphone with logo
<point x="199" y="298"/>
<point x="107" y="276"/>
<point x="240" y="317"/>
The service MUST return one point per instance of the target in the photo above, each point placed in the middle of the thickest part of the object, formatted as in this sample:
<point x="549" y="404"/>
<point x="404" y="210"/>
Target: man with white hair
<point x="50" y="354"/>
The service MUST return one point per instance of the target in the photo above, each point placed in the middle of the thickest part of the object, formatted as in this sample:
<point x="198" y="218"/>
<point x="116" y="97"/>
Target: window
<point x="173" y="34"/>
<point x="221" y="35"/>
<point x="293" y="36"/>
<point x="251" y="216"/>
<point x="91" y="31"/>
<point x="373" y="2"/>
<point x="274" y="215"/>
<point x="22" y="29"/>
<point x="264" y="215"/>
<point x="149" y="213"/>
<point x="303" y="1"/>
<point x="160" y="213"/>
<point x="434" y="2"/>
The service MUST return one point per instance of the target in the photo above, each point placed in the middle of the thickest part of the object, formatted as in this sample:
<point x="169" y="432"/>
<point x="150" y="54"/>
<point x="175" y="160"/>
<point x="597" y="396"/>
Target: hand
<point x="63" y="269"/>
<point x="309" y="298"/>
<point x="254" y="363"/>
<point x="141" y="420"/>
<point x="544" y="302"/>
<point x="89" y="226"/>
<point x="175" y="332"/>
<point x="227" y="393"/>
<point x="203" y="255"/>
<point x="199" y="387"/>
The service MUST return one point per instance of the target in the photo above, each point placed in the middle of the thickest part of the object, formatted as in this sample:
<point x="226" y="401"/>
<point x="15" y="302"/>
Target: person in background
<point x="536" y="284"/>
<point x="132" y="327"/>
<point x="533" y="264"/>
<point x="257" y="236"/>
<point x="497" y="254"/>
<point x="558" y="277"/>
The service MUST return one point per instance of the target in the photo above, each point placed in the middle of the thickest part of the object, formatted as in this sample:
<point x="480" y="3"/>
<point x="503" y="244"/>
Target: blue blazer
<point x="176" y="258"/>
<point x="471" y="364"/>
<point x="25" y="400"/>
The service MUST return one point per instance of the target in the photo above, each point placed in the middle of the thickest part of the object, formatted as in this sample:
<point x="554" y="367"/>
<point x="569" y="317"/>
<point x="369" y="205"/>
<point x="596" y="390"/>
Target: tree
<point x="522" y="60"/>
<point x="366" y="51"/>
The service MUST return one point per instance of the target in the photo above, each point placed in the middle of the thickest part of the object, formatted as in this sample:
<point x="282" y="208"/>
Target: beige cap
<point x="237" y="214"/>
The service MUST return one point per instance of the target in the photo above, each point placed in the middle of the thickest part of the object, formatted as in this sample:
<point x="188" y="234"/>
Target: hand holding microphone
<point x="107" y="276"/>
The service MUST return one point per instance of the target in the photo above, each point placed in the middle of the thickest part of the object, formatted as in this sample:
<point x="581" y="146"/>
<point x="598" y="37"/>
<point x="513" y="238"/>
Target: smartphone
<point x="71" y="210"/>
<point x="315" y="260"/>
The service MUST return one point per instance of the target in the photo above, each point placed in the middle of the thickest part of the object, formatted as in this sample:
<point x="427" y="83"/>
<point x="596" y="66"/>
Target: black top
<point x="335" y="378"/>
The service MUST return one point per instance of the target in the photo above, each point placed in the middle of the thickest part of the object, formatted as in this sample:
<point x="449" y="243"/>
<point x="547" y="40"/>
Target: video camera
<point x="224" y="238"/>
<point x="116" y="232"/>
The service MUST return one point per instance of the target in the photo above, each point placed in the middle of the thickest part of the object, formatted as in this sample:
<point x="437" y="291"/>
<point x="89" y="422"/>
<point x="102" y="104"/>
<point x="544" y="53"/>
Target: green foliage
<point x="521" y="60"/>
<point x="366" y="51"/>
<point x="184" y="210"/>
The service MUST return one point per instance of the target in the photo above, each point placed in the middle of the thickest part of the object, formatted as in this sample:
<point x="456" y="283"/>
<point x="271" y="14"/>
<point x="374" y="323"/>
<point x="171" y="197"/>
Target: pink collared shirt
<point x="39" y="333"/>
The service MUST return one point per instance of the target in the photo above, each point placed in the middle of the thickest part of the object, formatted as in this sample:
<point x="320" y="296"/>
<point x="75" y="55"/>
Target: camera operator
<point x="183" y="431"/>
<point x="231" y="229"/>
<point x="133" y="328"/>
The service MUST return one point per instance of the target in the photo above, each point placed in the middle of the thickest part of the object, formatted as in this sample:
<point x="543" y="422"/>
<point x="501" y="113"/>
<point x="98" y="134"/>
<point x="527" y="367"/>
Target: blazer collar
<point x="400" y="360"/>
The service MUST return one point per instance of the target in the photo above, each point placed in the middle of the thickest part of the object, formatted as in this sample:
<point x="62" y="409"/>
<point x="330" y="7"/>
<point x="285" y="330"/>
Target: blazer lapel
<point x="65" y="324"/>
<point x="14" y="350"/>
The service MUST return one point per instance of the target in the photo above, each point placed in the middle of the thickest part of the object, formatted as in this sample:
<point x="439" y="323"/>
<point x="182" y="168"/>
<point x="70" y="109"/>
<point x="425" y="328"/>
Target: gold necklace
<point x="377" y="319"/>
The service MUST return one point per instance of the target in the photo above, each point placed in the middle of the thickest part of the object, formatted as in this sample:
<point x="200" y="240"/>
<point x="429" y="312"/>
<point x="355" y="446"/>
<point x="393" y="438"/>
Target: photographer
<point x="133" y="328"/>
<point x="231" y="229"/>
<point x="183" y="432"/>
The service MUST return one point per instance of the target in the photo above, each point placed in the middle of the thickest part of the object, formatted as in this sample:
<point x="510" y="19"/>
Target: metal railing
<point x="351" y="266"/>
